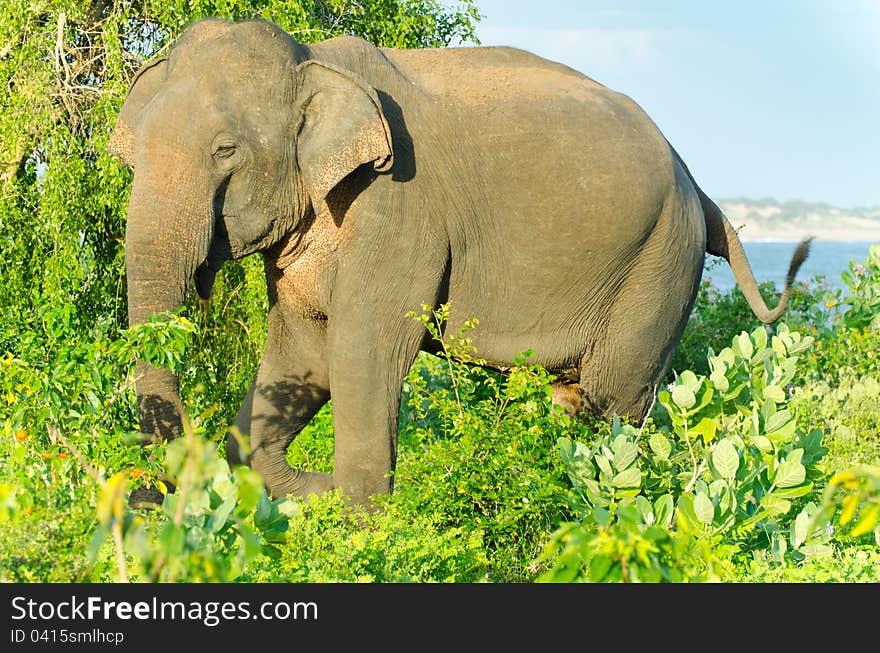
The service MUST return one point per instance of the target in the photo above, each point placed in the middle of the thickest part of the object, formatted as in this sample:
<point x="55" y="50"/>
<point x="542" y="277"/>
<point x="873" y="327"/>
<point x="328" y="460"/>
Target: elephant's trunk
<point x="166" y="238"/>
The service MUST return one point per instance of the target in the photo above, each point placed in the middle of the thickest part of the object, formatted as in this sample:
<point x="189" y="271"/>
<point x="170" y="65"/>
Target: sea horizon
<point x="769" y="260"/>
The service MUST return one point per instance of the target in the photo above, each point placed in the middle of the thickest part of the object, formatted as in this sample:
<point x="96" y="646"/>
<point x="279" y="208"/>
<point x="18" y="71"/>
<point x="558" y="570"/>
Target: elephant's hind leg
<point x="619" y="374"/>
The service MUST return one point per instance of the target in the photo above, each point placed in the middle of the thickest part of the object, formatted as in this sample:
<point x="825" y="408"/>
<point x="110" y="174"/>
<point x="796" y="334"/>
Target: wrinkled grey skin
<point x="372" y="180"/>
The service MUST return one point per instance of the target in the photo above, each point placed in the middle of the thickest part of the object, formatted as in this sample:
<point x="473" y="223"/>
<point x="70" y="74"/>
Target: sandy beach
<point x="773" y="222"/>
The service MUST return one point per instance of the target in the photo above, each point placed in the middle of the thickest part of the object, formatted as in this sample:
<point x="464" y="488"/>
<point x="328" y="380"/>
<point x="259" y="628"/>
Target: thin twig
<point x="55" y="436"/>
<point x="125" y="387"/>
<point x="650" y="408"/>
<point x="116" y="526"/>
<point x="116" y="530"/>
<point x="182" y="491"/>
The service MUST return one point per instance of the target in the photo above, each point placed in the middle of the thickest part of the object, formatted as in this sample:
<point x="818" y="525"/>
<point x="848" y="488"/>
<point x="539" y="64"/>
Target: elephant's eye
<point x="224" y="151"/>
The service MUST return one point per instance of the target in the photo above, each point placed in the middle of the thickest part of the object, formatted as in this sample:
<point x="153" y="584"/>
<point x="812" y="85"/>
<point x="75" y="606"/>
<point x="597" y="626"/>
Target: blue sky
<point x="778" y="99"/>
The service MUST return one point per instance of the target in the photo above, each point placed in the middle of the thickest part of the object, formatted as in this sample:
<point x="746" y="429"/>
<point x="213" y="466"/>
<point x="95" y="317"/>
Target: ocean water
<point x="769" y="261"/>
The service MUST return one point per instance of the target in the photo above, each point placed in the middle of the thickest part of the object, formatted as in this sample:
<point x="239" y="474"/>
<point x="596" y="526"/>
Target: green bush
<point x="863" y="298"/>
<point x="842" y="565"/>
<point x="724" y="472"/>
<point x="848" y="412"/>
<point x="812" y="307"/>
<point x="477" y="450"/>
<point x="327" y="543"/>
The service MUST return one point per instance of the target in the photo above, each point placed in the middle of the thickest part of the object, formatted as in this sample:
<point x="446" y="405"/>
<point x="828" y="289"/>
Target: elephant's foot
<point x="298" y="483"/>
<point x="148" y="495"/>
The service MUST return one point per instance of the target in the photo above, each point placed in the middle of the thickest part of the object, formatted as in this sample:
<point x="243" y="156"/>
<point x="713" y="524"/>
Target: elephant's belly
<point x="556" y="335"/>
<point x="558" y="351"/>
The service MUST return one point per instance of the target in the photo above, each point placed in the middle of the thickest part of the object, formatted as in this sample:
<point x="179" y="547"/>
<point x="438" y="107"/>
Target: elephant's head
<point x="235" y="137"/>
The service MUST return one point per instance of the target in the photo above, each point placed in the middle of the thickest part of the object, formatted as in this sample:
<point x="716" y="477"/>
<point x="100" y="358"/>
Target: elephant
<point x="374" y="180"/>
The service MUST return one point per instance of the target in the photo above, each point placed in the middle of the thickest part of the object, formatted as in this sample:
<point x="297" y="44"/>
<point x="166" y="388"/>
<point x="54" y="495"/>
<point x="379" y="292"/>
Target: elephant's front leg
<point x="290" y="388"/>
<point x="366" y="378"/>
<point x="371" y="346"/>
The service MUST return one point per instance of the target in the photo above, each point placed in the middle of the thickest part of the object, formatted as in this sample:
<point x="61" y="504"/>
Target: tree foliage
<point x="65" y="66"/>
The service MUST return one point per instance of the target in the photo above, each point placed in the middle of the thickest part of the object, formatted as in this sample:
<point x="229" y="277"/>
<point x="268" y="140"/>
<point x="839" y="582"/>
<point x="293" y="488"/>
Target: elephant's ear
<point x="143" y="88"/>
<point x="342" y="127"/>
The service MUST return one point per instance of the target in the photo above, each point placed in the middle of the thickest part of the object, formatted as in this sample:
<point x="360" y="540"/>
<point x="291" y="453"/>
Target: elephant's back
<point x="485" y="75"/>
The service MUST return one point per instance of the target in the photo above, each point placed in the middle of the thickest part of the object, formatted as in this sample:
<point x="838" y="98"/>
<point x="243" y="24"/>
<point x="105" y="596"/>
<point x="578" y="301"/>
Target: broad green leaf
<point x="778" y="545"/>
<point x="665" y="399"/>
<point x="576" y="458"/>
<point x="646" y="510"/>
<point x="763" y="443"/>
<point x="685" y="517"/>
<point x="601" y="516"/>
<point x="759" y="335"/>
<point x="219" y="517"/>
<point x="703" y="508"/>
<point x="683" y="397"/>
<point x="777" y="420"/>
<point x="722" y="496"/>
<point x="631" y="477"/>
<point x="263" y="513"/>
<point x="775" y="393"/>
<point x="595" y="495"/>
<point x="804" y="344"/>
<point x="785" y="434"/>
<point x="735" y="392"/>
<point x="704" y="398"/>
<point x="794" y="492"/>
<point x="778" y="346"/>
<point x="799" y="529"/>
<point x="744" y="344"/>
<point x="660" y="445"/>
<point x="663" y="510"/>
<point x="290" y="508"/>
<point x="775" y="505"/>
<point x="566" y="449"/>
<point x="625" y="453"/>
<point x="706" y="428"/>
<point x="719" y="380"/>
<point x="690" y="380"/>
<point x="754" y="519"/>
<point x="599" y="566"/>
<point x="725" y="459"/>
<point x="789" y="473"/>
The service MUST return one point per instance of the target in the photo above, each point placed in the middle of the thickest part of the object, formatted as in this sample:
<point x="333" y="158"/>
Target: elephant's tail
<point x="722" y="240"/>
